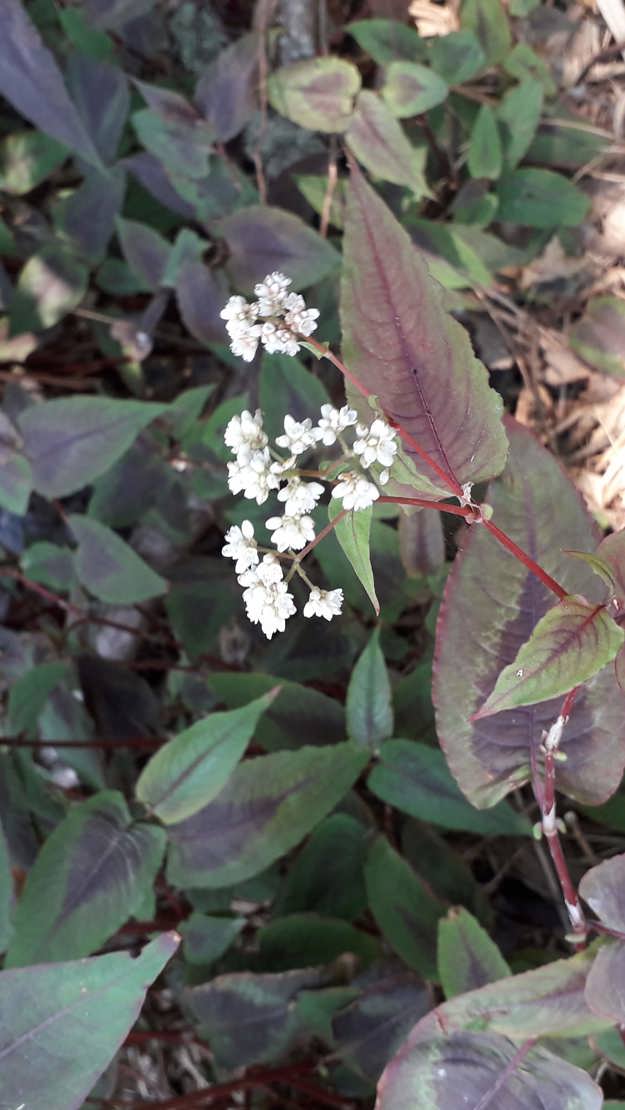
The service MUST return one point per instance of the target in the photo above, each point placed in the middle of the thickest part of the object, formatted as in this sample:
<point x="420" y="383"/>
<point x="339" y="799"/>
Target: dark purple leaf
<point x="114" y="14"/>
<point x="173" y="130"/>
<point x="151" y="174"/>
<point x="61" y="1024"/>
<point x="605" y="987"/>
<point x="490" y="608"/>
<point x="421" y="542"/>
<point x="226" y="94"/>
<point x="404" y="347"/>
<point x="31" y="81"/>
<point x="482" y="1069"/>
<point x="145" y="251"/>
<point x="91" y="875"/>
<point x="371" y="1028"/>
<point x="71" y="441"/>
<point x="268" y="805"/>
<point x="261" y="239"/>
<point x="249" y="1019"/>
<point x="102" y="96"/>
<point x="87" y="216"/>
<point x="121" y="703"/>
<point x="603" y="887"/>
<point x="201" y="294"/>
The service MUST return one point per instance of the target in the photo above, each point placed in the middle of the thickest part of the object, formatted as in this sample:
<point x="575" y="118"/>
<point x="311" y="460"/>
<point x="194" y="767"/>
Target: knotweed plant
<point x="354" y="472"/>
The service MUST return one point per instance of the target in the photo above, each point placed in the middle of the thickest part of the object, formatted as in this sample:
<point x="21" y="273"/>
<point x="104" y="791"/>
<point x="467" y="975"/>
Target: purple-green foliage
<point x="286" y="802"/>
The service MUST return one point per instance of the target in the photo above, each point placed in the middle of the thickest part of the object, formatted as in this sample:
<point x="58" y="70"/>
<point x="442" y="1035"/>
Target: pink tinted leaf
<point x="421" y="543"/>
<point x="570" y="644"/>
<point x="603" y="887"/>
<point x="605" y="986"/>
<point x="490" y="608"/>
<point x="611" y="552"/>
<point x="470" y="1069"/>
<point x="405" y="348"/>
<point x="377" y="140"/>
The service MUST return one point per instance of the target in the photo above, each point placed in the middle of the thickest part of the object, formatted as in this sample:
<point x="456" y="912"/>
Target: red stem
<point x="424" y="503"/>
<point x="526" y="559"/>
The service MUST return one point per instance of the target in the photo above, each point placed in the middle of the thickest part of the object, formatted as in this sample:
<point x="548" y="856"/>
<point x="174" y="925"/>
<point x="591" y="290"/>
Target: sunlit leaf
<point x="353" y="534"/>
<point x="378" y="142"/>
<point x="48" y="1012"/>
<point x="418" y="363"/>
<point x="317" y="93"/>
<point x="26" y="159"/>
<point x="410" y="89"/>
<point x="52" y="283"/>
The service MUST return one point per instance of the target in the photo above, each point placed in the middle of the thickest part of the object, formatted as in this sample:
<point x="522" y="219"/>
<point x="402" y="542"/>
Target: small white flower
<point x="272" y="294"/>
<point x="355" y="491"/>
<point x="278" y="340"/>
<point x="251" y="475"/>
<point x="298" y="436"/>
<point x="239" y="316"/>
<point x="245" y="431"/>
<point x="245" y="346"/>
<point x="266" y="597"/>
<point x="241" y="546"/>
<point x="324" y="603"/>
<point x="300" y="319"/>
<point x="300" y="497"/>
<point x="291" y="531"/>
<point x="333" y="421"/>
<point x="376" y="444"/>
<point x="383" y="477"/>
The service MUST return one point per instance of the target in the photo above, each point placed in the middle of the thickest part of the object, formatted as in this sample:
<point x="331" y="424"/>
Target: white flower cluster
<point x="257" y="470"/>
<point x="276" y="320"/>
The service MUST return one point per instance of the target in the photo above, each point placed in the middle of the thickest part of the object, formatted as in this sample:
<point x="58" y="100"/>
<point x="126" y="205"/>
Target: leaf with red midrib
<point x="410" y="353"/>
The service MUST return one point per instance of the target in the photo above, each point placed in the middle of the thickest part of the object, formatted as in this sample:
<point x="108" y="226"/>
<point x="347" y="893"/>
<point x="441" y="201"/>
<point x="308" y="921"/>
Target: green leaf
<point x="317" y="93"/>
<point x="308" y="939"/>
<point x="519" y="115"/>
<point x="599" y="336"/>
<point x="569" y="645"/>
<point x="109" y="568"/>
<point x="522" y="62"/>
<point x="6" y="892"/>
<point x="26" y="159"/>
<point x="267" y="806"/>
<point x="327" y="875"/>
<point x="540" y="198"/>
<point x="206" y="938"/>
<point x="15" y="471"/>
<point x="60" y="1025"/>
<point x="377" y="140"/>
<point x="485" y="156"/>
<point x="457" y="57"/>
<point x="369" y="703"/>
<point x="285" y="385"/>
<point x="50" y="285"/>
<point x="410" y="89"/>
<point x="386" y="40"/>
<point x="146" y="252"/>
<point x="402" y="906"/>
<point x="489" y="22"/>
<point x="298" y="714"/>
<point x="69" y="442"/>
<point x="467" y="957"/>
<point x="414" y="778"/>
<point x="29" y="693"/>
<point x="353" y="535"/>
<point x="92" y="873"/>
<point x="188" y="772"/>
